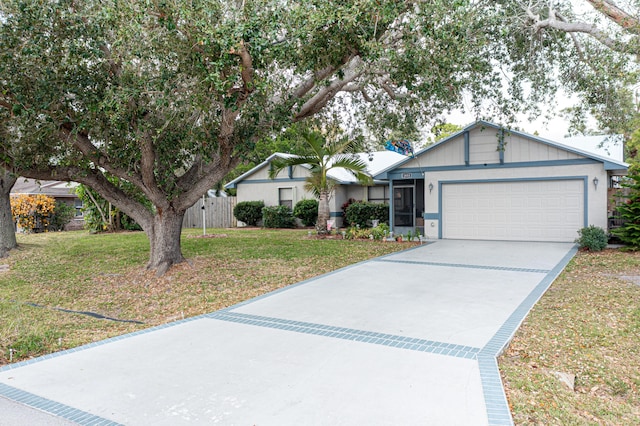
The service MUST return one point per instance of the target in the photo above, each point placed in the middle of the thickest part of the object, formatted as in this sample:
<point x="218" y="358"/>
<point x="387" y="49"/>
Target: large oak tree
<point x="170" y="96"/>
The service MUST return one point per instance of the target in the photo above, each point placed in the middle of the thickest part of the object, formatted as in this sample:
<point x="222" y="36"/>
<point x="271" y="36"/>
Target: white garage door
<point x="517" y="211"/>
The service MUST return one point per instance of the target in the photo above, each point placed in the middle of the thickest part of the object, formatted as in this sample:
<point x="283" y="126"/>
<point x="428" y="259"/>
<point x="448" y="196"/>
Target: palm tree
<point x="323" y="156"/>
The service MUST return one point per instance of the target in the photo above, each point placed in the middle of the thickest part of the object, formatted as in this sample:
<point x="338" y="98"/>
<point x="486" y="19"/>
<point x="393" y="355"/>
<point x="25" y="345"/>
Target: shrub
<point x="376" y="233"/>
<point x="380" y="212"/>
<point x="249" y="212"/>
<point x="62" y="215"/>
<point x="356" y="233"/>
<point x="381" y="231"/>
<point x="362" y="213"/>
<point x="99" y="215"/>
<point x="345" y="206"/>
<point x="629" y="210"/>
<point x="306" y="211"/>
<point x="277" y="217"/>
<point x="592" y="238"/>
<point x="358" y="214"/>
<point x="128" y="224"/>
<point x="33" y="213"/>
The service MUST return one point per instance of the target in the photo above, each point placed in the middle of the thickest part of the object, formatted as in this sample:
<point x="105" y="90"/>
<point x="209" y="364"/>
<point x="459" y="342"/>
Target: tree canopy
<point x="598" y="61"/>
<point x="170" y="96"/>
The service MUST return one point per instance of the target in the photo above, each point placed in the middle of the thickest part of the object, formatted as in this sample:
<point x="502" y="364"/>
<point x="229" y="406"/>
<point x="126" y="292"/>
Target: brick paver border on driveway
<point x="497" y="409"/>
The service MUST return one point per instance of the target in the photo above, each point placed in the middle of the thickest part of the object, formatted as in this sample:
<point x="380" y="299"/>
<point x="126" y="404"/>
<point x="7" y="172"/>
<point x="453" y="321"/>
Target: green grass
<point x="104" y="273"/>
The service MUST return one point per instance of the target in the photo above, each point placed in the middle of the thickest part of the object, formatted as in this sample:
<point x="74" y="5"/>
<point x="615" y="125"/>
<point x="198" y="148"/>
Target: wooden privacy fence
<point x="218" y="213"/>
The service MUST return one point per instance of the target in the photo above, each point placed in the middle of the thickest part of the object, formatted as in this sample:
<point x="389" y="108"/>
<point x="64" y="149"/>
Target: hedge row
<point x="362" y="213"/>
<point x="358" y="213"/>
<point x="251" y="212"/>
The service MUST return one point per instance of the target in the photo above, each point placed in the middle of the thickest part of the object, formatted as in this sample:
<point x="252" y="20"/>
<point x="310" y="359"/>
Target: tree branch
<point x="96" y="180"/>
<point x="352" y="87"/>
<point x="246" y="71"/>
<point x="577" y="44"/>
<point x="617" y="15"/>
<point x="366" y="96"/>
<point x="95" y="203"/>
<point x="147" y="170"/>
<point x="114" y="67"/>
<point x="89" y="150"/>
<point x="307" y="85"/>
<point x="325" y="94"/>
<point x="391" y="92"/>
<point x="202" y="176"/>
<point x="574" y="27"/>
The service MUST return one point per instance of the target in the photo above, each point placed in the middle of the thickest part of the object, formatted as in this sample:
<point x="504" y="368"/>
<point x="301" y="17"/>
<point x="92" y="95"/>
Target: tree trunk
<point x="164" y="238"/>
<point x="323" y="213"/>
<point x="7" y="227"/>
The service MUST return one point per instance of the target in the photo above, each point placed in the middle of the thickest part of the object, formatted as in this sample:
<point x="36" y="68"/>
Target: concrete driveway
<point x="409" y="338"/>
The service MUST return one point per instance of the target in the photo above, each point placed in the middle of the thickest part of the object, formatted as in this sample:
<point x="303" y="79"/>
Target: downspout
<point x="391" y="204"/>
<point x="467" y="159"/>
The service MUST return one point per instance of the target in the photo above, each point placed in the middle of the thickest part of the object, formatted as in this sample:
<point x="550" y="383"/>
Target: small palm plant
<point x="323" y="156"/>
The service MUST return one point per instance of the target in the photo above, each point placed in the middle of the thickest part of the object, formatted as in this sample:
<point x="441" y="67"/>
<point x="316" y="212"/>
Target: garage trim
<point x="397" y="174"/>
<point x="584" y="179"/>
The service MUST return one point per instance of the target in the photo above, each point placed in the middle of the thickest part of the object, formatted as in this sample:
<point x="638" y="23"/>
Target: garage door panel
<point x="550" y="210"/>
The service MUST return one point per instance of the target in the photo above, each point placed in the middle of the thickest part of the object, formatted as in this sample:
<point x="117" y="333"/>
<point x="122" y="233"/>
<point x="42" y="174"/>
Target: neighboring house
<point x="480" y="183"/>
<point x="60" y="191"/>
<point x="288" y="187"/>
<point x="488" y="183"/>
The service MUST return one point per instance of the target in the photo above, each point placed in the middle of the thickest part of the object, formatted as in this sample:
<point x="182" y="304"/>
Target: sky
<point x="555" y="129"/>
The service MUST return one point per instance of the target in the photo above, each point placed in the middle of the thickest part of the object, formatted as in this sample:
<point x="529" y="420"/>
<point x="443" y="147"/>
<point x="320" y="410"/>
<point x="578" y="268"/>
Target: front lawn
<point x="105" y="274"/>
<point x="587" y="326"/>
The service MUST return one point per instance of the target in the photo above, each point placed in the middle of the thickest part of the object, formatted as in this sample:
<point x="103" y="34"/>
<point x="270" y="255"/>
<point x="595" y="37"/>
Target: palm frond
<point x="279" y="164"/>
<point x="315" y="184"/>
<point x="316" y="142"/>
<point x="354" y="165"/>
<point x="342" y="146"/>
<point x="324" y="156"/>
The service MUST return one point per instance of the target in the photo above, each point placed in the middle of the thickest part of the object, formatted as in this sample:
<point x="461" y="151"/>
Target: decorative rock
<point x="567" y="379"/>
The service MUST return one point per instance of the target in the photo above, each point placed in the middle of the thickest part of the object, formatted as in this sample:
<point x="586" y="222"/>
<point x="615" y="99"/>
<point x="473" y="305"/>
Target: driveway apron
<point x="408" y="338"/>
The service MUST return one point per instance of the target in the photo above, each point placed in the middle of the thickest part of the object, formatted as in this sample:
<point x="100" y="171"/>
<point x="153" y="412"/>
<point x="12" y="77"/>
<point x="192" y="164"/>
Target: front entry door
<point x="403" y="206"/>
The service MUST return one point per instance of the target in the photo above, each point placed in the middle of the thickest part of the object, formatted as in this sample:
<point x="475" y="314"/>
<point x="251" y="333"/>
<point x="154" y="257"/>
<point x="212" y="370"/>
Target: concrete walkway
<point x="409" y="338"/>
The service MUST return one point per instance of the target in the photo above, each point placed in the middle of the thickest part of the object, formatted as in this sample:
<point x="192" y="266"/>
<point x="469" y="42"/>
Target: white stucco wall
<point x="259" y="187"/>
<point x="520" y="149"/>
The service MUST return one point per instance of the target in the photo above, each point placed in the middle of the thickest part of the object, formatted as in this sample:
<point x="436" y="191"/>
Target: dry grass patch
<point x="586" y="325"/>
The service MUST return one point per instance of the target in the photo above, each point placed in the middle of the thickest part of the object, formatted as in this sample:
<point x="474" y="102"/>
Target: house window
<point x="78" y="205"/>
<point x="285" y="197"/>
<point x="378" y="194"/>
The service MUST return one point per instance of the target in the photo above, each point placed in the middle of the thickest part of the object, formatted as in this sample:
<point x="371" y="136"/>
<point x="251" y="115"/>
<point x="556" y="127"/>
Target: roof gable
<point x="257" y="169"/>
<point x="477" y="145"/>
<point x="52" y="188"/>
<point x="376" y="162"/>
